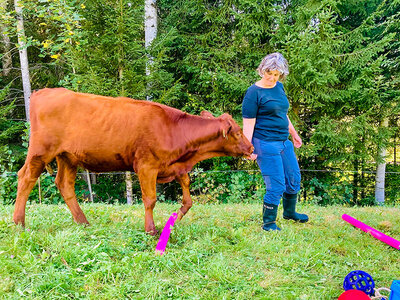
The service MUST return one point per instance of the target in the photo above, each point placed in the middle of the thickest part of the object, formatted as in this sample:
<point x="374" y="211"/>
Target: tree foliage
<point x="344" y="70"/>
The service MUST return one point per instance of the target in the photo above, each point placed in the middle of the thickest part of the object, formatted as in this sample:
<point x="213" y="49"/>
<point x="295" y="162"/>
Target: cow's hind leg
<point x="27" y="177"/>
<point x="65" y="181"/>
<point x="184" y="181"/>
<point x="148" y="178"/>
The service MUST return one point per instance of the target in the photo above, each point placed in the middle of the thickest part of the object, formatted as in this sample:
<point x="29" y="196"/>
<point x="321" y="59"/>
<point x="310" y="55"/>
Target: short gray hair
<point x="274" y="61"/>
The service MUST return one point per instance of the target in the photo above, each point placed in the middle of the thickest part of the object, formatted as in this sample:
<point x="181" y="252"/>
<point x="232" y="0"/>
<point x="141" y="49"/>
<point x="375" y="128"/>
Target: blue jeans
<point x="279" y="168"/>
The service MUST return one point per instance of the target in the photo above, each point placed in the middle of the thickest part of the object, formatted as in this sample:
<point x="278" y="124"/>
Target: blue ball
<point x="359" y="280"/>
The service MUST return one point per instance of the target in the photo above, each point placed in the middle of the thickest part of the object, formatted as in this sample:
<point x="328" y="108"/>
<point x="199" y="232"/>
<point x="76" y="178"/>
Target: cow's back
<point x="97" y="130"/>
<point x="85" y="111"/>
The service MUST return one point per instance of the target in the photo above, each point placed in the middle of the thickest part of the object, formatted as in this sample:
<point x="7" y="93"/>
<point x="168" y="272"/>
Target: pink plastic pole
<point x="375" y="233"/>
<point x="162" y="242"/>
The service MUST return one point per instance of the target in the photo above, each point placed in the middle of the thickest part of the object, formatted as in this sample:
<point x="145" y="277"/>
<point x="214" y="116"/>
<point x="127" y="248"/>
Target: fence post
<point x="129" y="193"/>
<point x="40" y="192"/>
<point x="90" y="186"/>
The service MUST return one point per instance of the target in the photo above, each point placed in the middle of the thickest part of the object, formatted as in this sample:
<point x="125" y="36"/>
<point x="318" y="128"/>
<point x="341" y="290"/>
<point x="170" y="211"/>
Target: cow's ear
<point x="206" y="114"/>
<point x="227" y="124"/>
<point x="226" y="127"/>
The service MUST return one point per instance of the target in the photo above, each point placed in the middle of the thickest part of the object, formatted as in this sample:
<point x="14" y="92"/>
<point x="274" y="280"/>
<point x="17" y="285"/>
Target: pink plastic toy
<point x="375" y="233"/>
<point x="162" y="242"/>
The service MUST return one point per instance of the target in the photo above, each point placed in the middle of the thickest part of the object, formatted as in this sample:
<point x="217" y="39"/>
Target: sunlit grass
<point x="215" y="252"/>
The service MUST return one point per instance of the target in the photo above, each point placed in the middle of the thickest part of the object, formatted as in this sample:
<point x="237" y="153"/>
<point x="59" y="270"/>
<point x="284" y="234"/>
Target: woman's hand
<point x="297" y="142"/>
<point x="248" y="129"/>
<point x="252" y="156"/>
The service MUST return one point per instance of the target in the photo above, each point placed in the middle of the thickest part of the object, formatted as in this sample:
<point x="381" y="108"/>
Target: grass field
<point x="215" y="252"/>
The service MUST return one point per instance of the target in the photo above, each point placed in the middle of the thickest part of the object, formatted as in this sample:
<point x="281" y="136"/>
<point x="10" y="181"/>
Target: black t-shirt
<point x="270" y="107"/>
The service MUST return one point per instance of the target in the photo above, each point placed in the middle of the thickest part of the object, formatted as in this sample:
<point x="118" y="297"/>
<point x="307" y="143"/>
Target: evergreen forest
<point x="343" y="86"/>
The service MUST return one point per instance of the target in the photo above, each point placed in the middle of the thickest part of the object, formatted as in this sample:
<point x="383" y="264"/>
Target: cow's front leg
<point x="147" y="179"/>
<point x="184" y="181"/>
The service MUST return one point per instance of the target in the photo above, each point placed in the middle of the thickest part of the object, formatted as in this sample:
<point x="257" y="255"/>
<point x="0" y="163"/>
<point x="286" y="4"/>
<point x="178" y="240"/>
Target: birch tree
<point x="150" y="22"/>
<point x="380" y="171"/>
<point x="23" y="56"/>
<point x="150" y="29"/>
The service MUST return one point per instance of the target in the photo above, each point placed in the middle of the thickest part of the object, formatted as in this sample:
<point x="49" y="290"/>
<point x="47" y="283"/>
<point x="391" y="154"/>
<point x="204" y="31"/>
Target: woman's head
<point x="274" y="61"/>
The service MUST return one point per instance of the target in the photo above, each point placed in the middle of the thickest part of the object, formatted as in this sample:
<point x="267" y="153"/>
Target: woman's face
<point x="271" y="77"/>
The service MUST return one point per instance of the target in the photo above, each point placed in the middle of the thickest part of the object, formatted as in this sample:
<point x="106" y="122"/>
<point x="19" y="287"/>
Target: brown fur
<point x="158" y="142"/>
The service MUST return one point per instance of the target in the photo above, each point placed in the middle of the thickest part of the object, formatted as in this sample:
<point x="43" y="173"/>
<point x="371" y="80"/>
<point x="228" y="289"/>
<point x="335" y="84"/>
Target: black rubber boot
<point x="270" y="212"/>
<point x="289" y="208"/>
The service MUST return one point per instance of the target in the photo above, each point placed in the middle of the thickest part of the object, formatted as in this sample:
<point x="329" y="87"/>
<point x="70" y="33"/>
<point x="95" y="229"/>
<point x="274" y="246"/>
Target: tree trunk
<point x="150" y="27"/>
<point x="23" y="56"/>
<point x="121" y="67"/>
<point x="150" y="33"/>
<point x="356" y="179"/>
<point x="128" y="175"/>
<point x="380" y="171"/>
<point x="89" y="186"/>
<point x="129" y="191"/>
<point x="7" y="59"/>
<point x="121" y="58"/>
<point x="395" y="142"/>
<point x="362" y="181"/>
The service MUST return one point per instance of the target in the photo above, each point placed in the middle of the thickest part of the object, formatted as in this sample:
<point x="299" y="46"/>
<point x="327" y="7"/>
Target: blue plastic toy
<point x="395" y="290"/>
<point x="359" y="280"/>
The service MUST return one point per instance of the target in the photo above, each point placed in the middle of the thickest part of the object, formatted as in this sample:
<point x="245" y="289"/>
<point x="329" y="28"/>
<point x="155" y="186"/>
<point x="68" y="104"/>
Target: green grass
<point x="215" y="252"/>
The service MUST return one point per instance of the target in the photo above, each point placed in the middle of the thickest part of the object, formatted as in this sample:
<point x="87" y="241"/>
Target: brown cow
<point x="101" y="134"/>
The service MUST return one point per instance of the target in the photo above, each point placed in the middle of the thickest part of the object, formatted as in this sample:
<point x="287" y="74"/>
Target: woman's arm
<point x="248" y="129"/>
<point x="297" y="142"/>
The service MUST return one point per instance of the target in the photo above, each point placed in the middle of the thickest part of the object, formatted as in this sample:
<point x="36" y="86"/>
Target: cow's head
<point x="234" y="141"/>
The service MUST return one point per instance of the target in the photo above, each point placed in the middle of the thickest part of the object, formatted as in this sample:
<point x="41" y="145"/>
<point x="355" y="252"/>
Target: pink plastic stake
<point x="375" y="233"/>
<point x="162" y="242"/>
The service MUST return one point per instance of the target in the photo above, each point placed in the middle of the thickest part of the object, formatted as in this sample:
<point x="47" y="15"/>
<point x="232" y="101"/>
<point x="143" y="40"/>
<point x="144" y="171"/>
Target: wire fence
<point x="215" y="186"/>
<point x="225" y="171"/>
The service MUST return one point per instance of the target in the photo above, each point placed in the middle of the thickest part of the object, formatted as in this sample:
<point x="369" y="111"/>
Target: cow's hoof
<point x="20" y="224"/>
<point x="81" y="219"/>
<point x="180" y="215"/>
<point x="84" y="222"/>
<point x="152" y="232"/>
<point x="19" y="221"/>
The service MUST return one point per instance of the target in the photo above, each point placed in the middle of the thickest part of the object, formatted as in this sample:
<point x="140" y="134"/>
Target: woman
<point x="267" y="125"/>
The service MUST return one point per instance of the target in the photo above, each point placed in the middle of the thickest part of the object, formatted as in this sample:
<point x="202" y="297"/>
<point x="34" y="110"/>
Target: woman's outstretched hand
<point x="252" y="156"/>
<point x="297" y="142"/>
